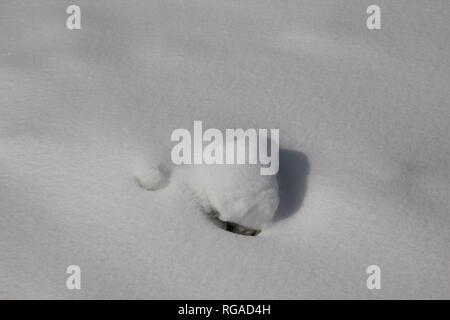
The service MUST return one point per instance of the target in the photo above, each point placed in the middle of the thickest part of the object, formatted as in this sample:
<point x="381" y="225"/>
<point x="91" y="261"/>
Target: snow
<point x="363" y="118"/>
<point x="238" y="193"/>
<point x="151" y="177"/>
<point x="232" y="193"/>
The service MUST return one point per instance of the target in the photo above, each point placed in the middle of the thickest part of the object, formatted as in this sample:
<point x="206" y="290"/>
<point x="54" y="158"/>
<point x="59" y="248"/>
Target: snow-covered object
<point x="235" y="193"/>
<point x="239" y="194"/>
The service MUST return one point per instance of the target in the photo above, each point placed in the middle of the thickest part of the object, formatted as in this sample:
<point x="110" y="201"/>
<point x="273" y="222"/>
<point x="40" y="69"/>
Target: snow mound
<point x="152" y="177"/>
<point x="236" y="194"/>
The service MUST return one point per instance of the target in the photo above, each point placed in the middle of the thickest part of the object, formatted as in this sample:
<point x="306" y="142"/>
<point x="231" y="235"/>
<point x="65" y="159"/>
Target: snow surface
<point x="366" y="111"/>
<point x="238" y="193"/>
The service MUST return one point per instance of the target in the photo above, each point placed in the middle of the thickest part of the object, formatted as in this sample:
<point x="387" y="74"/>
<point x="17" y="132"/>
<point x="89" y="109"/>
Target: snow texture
<point x="364" y="126"/>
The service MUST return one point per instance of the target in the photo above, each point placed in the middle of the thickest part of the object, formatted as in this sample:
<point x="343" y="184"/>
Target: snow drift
<point x="80" y="108"/>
